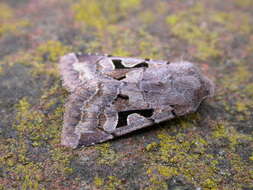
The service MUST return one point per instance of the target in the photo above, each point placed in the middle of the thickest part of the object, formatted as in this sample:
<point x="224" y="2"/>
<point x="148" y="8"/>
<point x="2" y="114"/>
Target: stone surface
<point x="210" y="149"/>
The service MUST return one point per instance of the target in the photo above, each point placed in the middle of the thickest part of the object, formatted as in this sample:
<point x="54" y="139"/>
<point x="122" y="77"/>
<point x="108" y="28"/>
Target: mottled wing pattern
<point x="112" y="96"/>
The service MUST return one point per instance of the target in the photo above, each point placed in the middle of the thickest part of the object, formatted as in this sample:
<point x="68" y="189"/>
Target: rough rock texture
<point x="112" y="96"/>
<point x="210" y="149"/>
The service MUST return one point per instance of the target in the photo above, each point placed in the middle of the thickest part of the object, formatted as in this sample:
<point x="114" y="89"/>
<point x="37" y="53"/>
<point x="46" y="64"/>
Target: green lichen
<point x="1" y="69"/>
<point x="51" y="50"/>
<point x="198" y="26"/>
<point x="251" y="157"/>
<point x="108" y="183"/>
<point x="147" y="17"/>
<point x="249" y="89"/>
<point x="187" y="26"/>
<point x="167" y="171"/>
<point x="241" y="106"/>
<point x="37" y="129"/>
<point x="99" y="14"/>
<point x="181" y="155"/>
<point x="6" y="11"/>
<point x="98" y="181"/>
<point x="8" y="22"/>
<point x="152" y="146"/>
<point x="210" y="184"/>
<point x="113" y="183"/>
<point x="232" y="21"/>
<point x="233" y="81"/>
<point x="156" y="182"/>
<point x="244" y="3"/>
<point x="107" y="155"/>
<point x="44" y="58"/>
<point x="221" y="130"/>
<point x="211" y="149"/>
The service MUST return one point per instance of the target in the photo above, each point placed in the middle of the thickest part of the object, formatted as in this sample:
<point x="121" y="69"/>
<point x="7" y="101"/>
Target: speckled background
<point x="210" y="149"/>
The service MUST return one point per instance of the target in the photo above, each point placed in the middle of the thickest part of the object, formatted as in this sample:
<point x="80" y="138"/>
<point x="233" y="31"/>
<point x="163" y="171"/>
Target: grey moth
<point x="111" y="96"/>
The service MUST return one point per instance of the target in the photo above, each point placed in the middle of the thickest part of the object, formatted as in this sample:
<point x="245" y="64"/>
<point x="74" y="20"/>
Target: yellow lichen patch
<point x="24" y="116"/>
<point x="120" y="41"/>
<point x="125" y="42"/>
<point x="174" y="148"/>
<point x="52" y="50"/>
<point x="113" y="183"/>
<point x="235" y="82"/>
<point x="187" y="26"/>
<point x="243" y="172"/>
<point x="156" y="182"/>
<point x="241" y="106"/>
<point x="91" y="16"/>
<point x="44" y="59"/>
<point x="27" y="174"/>
<point x="167" y="171"/>
<point x="211" y="149"/>
<point x="98" y="181"/>
<point x="8" y="23"/>
<point x="240" y="75"/>
<point x="198" y="26"/>
<point x="248" y="90"/>
<point x="219" y="131"/>
<point x="251" y="157"/>
<point x="99" y="14"/>
<point x="209" y="184"/>
<point x="61" y="158"/>
<point x="244" y="3"/>
<point x="37" y="128"/>
<point x="108" y="183"/>
<point x="150" y="46"/>
<point x="107" y="155"/>
<point x="232" y="21"/>
<point x="222" y="130"/>
<point x="147" y="17"/>
<point x="152" y="146"/>
<point x="1" y="69"/>
<point x="249" y="47"/>
<point x="6" y="12"/>
<point x="30" y="175"/>
<point x="183" y="155"/>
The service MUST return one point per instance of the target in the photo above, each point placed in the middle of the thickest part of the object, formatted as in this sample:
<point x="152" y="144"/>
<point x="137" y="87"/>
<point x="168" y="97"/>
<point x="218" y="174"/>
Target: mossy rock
<point x="210" y="149"/>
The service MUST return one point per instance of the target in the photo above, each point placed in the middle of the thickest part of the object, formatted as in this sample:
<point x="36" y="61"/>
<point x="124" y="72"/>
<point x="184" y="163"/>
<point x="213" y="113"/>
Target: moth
<point x="112" y="96"/>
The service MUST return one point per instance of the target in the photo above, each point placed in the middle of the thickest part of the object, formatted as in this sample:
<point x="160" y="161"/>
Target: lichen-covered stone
<point x="210" y="149"/>
<point x="112" y="96"/>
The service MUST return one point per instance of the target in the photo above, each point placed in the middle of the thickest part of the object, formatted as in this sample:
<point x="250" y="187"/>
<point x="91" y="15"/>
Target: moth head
<point x="188" y="77"/>
<point x="79" y="67"/>
<point x="84" y="71"/>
